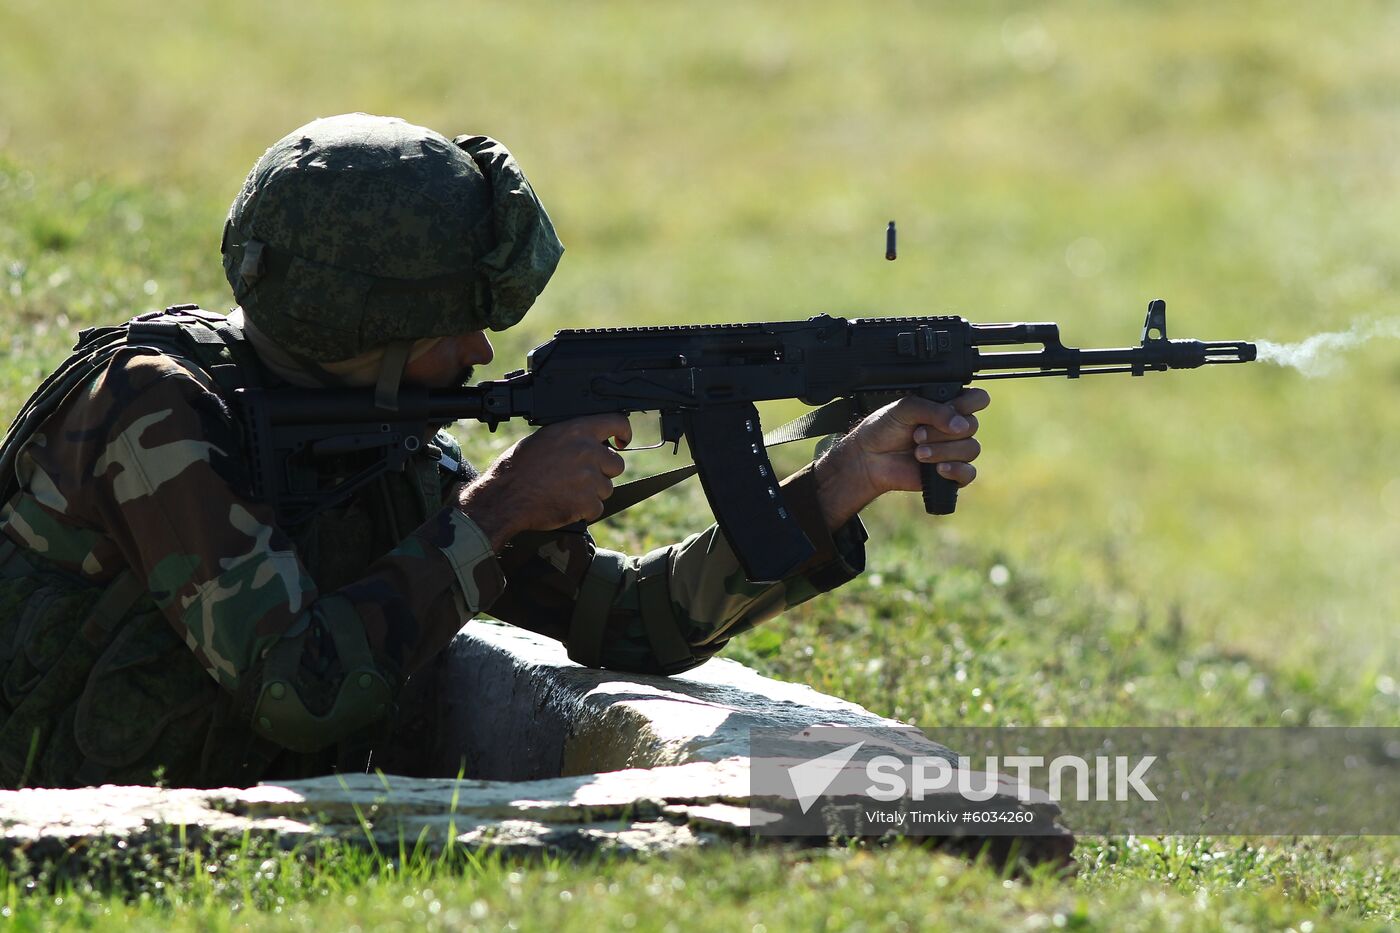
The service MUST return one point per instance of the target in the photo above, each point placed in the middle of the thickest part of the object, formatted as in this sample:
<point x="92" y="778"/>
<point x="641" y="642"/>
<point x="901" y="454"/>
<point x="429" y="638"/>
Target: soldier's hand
<point x="558" y="475"/>
<point x="882" y="453"/>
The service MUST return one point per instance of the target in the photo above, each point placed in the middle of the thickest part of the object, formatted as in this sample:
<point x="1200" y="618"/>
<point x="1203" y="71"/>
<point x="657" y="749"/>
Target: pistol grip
<point x="940" y="493"/>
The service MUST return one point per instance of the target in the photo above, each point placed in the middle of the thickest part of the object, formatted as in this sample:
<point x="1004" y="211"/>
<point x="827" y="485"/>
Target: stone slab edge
<point x="527" y="711"/>
<point x="629" y="811"/>
<point x="649" y="763"/>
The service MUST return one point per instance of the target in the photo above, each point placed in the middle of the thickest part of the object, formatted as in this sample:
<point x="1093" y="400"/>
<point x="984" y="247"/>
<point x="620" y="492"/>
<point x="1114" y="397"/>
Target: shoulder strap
<point x="94" y="347"/>
<point x="836" y="417"/>
<point x="206" y="339"/>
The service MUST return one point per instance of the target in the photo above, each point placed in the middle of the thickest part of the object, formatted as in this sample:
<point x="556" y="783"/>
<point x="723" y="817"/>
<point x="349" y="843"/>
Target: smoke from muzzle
<point x="1320" y="354"/>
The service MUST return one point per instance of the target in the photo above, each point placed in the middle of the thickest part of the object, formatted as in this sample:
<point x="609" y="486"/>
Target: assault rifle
<point x="703" y="380"/>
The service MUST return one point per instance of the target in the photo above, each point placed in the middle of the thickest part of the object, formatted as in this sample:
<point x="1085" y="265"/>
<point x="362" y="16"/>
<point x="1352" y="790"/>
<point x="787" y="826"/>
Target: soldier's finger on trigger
<point x="596" y="428"/>
<point x="624" y="437"/>
<point x="613" y="426"/>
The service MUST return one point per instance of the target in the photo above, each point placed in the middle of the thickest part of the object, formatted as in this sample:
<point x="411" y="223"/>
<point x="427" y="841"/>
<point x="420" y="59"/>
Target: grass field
<point x="1215" y="547"/>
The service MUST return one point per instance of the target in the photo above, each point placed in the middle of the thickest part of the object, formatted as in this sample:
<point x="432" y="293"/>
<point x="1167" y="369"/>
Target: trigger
<point x="672" y="429"/>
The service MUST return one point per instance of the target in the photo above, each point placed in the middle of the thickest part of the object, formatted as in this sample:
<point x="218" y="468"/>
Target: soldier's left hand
<point x="882" y="454"/>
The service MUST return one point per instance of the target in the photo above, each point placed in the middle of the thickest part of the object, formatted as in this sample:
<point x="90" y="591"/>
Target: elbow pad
<point x="365" y="696"/>
<point x="657" y="621"/>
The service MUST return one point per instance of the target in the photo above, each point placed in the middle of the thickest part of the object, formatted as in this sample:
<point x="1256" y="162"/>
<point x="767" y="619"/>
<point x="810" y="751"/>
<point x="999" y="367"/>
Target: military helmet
<point x="356" y="232"/>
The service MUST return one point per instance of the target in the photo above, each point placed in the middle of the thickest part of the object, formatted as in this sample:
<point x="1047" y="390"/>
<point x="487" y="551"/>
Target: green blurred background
<point x="738" y="161"/>
<point x="1208" y="547"/>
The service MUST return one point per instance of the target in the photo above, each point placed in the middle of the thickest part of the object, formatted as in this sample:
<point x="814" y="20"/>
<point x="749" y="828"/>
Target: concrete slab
<point x="552" y="756"/>
<point x="518" y="708"/>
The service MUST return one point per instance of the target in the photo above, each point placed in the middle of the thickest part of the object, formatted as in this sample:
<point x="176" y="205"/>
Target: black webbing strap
<point x="629" y="494"/>
<point x="245" y="371"/>
<point x="205" y="338"/>
<point x="669" y="648"/>
<point x="95" y="346"/>
<point x="591" y="607"/>
<point x="834" y="417"/>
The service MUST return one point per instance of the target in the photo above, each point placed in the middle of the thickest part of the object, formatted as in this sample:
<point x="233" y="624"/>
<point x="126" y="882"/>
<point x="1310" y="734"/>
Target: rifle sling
<point x="834" y="417"/>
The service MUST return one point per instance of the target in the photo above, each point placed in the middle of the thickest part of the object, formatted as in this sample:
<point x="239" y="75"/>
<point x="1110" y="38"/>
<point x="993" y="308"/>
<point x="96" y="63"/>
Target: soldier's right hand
<point x="558" y="475"/>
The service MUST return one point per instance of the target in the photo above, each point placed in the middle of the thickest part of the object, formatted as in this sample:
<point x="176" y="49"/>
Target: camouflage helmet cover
<point x="357" y="231"/>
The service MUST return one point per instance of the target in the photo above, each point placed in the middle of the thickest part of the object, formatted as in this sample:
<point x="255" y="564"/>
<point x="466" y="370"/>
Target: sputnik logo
<point x="811" y="778"/>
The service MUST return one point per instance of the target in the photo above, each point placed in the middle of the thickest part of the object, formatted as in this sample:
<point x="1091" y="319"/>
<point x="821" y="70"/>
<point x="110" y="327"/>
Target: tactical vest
<point x="96" y="686"/>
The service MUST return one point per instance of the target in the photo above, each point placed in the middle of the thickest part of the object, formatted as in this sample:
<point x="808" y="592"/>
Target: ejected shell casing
<point x="889" y="241"/>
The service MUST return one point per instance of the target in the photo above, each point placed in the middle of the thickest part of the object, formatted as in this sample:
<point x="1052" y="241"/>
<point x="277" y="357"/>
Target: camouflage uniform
<point x="154" y="612"/>
<point x="143" y="468"/>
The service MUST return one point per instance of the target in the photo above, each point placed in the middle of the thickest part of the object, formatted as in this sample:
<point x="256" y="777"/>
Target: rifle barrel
<point x="1154" y="355"/>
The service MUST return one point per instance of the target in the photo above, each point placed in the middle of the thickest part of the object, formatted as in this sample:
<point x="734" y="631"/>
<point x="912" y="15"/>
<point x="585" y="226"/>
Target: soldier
<point x="159" y="621"/>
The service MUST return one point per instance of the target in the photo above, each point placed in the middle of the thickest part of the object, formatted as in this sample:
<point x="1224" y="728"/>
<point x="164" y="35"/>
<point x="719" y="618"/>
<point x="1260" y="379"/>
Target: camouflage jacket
<point x="143" y="468"/>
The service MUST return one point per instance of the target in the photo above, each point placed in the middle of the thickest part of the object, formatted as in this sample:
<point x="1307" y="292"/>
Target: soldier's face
<point x="449" y="363"/>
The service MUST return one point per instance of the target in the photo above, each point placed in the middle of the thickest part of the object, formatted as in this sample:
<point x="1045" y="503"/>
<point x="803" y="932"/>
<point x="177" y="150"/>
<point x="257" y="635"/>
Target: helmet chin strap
<point x="386" y="390"/>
